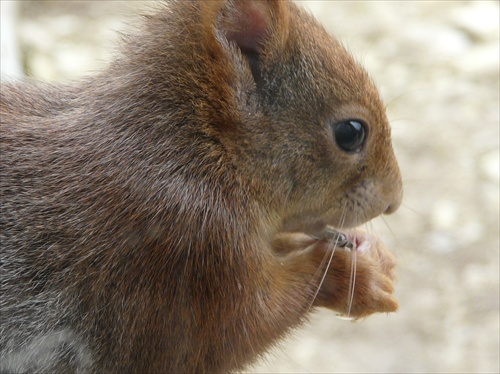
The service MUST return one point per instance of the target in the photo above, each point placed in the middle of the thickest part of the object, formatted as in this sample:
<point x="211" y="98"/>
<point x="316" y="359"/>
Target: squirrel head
<point x="299" y="120"/>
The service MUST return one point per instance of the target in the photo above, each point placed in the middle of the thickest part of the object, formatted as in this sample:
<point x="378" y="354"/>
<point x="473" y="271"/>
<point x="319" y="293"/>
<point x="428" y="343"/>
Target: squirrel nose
<point x="392" y="208"/>
<point x="394" y="205"/>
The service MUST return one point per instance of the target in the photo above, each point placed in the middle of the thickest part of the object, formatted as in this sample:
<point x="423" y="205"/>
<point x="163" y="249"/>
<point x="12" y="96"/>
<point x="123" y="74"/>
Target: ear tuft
<point x="249" y="23"/>
<point x="252" y="24"/>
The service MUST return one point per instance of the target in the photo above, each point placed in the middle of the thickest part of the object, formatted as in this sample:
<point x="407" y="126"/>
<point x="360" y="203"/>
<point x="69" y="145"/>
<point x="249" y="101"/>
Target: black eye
<point x="349" y="134"/>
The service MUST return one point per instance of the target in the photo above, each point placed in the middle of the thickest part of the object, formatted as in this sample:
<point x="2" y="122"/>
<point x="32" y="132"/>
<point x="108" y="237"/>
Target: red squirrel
<point x="187" y="207"/>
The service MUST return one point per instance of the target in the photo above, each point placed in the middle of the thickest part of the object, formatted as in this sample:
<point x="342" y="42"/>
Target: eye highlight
<point x="349" y="134"/>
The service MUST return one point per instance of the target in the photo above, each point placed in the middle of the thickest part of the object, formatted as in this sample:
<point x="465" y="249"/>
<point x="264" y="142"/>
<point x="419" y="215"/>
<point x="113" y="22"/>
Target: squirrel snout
<point x="393" y="189"/>
<point x="396" y="201"/>
<point x="391" y="208"/>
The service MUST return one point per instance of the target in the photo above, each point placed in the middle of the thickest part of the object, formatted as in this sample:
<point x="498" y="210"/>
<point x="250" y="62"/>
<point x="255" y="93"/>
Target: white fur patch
<point x="44" y="353"/>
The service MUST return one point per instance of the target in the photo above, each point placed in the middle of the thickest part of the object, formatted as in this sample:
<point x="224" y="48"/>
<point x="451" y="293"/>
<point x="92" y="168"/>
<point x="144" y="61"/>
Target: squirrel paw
<point x="358" y="280"/>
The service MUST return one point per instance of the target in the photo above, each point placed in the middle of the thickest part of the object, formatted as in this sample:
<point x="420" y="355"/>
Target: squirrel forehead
<point x="323" y="72"/>
<point x="311" y="54"/>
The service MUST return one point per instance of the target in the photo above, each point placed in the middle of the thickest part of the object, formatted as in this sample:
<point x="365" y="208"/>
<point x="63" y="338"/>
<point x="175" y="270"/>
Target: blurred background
<point x="437" y="66"/>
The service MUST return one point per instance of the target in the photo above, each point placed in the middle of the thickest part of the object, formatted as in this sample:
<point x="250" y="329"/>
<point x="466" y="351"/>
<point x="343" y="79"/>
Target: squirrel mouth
<point x="353" y="240"/>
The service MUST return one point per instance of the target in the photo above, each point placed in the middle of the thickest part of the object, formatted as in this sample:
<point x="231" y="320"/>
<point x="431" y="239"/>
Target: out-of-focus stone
<point x="490" y="165"/>
<point x="479" y="19"/>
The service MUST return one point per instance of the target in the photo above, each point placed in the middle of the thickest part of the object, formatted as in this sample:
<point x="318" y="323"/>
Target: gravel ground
<point x="437" y="65"/>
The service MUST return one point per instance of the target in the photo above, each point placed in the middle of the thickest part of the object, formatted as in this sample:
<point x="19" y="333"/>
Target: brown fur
<point x="145" y="211"/>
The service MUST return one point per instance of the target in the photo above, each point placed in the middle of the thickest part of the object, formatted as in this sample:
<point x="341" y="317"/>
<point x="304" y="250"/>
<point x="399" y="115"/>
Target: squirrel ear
<point x="251" y="22"/>
<point x="248" y="23"/>
<point x="258" y="27"/>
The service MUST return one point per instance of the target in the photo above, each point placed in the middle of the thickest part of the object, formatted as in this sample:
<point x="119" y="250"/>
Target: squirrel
<point x="181" y="210"/>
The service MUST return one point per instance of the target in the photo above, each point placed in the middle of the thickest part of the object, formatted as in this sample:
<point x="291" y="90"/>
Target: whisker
<point x="324" y="273"/>
<point x="352" y="276"/>
<point x="332" y="246"/>
<point x="352" y="282"/>
<point x="392" y="101"/>
<point x="278" y="190"/>
<point x="388" y="227"/>
<point x="413" y="210"/>
<point x="369" y="227"/>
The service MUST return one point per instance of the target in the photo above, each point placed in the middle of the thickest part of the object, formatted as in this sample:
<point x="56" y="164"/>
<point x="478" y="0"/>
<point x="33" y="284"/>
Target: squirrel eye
<point x="349" y="134"/>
